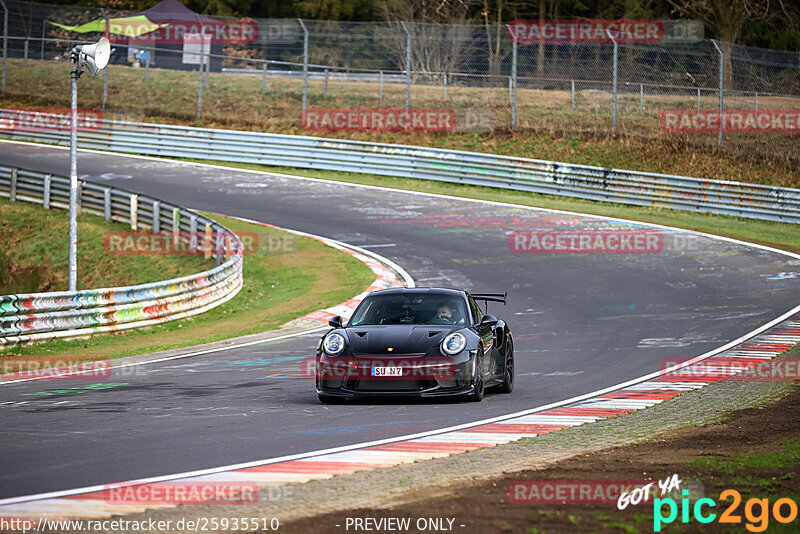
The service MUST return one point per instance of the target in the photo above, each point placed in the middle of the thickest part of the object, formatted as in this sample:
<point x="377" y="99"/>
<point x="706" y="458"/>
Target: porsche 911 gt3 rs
<point x="421" y="342"/>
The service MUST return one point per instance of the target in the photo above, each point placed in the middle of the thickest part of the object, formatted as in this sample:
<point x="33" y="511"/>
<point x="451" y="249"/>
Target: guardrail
<point x="41" y="316"/>
<point x="522" y="174"/>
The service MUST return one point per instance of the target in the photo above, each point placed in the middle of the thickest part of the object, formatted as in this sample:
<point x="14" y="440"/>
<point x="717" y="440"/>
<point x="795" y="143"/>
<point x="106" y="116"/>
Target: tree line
<point x="763" y="23"/>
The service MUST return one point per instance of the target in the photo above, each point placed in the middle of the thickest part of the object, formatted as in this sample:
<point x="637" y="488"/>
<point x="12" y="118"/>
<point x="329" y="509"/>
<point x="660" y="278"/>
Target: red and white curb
<point x="94" y="503"/>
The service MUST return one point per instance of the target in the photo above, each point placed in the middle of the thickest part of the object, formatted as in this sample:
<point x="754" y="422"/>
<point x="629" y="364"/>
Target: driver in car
<point x="445" y="314"/>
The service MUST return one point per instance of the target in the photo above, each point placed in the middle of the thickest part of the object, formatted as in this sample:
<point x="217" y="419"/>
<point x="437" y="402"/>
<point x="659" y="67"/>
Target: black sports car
<point x="421" y="342"/>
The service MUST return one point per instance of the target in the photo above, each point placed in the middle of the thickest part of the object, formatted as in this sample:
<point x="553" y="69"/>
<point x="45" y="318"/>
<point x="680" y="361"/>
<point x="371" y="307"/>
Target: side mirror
<point x="336" y="321"/>
<point x="488" y="319"/>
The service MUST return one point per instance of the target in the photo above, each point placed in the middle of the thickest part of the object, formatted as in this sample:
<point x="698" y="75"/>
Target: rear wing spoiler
<point x="491" y="297"/>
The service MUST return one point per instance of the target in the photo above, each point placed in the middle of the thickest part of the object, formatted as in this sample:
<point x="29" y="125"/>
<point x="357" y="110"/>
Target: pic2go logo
<point x="756" y="511"/>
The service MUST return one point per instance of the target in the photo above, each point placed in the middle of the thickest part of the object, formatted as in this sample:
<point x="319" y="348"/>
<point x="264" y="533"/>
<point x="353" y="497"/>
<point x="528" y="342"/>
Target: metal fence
<point x="42" y="316"/>
<point x="561" y="87"/>
<point x="521" y="174"/>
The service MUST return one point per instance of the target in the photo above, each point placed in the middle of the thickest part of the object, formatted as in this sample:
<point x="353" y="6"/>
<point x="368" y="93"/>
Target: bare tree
<point x="725" y="18"/>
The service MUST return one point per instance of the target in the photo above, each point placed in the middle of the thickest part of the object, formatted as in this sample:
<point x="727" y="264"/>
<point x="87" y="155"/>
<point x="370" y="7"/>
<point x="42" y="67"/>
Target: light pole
<point x="92" y="58"/>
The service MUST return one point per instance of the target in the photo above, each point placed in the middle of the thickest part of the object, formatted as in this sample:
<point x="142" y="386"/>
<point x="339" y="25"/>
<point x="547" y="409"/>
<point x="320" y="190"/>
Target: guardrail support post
<point x="107" y="203"/>
<point x="156" y="226"/>
<point x="408" y="65"/>
<point x="193" y="233"/>
<point x="46" y="195"/>
<point x="721" y="89"/>
<point x="305" y="64"/>
<point x="134" y="212"/>
<point x="227" y="246"/>
<point x="219" y="251"/>
<point x="176" y="226"/>
<point x="12" y="193"/>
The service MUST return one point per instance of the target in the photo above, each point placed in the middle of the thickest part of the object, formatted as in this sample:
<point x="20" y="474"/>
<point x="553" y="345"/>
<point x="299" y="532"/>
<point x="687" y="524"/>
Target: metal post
<point x="12" y="192"/>
<point x="756" y="110"/>
<point x="444" y="85"/>
<point x="105" y="70"/>
<point x="305" y="64"/>
<point x="380" y="87"/>
<point x="514" y="83"/>
<point x="73" y="177"/>
<point x="698" y="99"/>
<point x="46" y="196"/>
<point x="193" y="233"/>
<point x="25" y="54"/>
<point x="408" y="65"/>
<point x="614" y="89"/>
<point x="572" y="96"/>
<point x="325" y="90"/>
<point x="509" y="89"/>
<point x="107" y="203"/>
<point x="721" y="89"/>
<point x="5" y="44"/>
<point x="200" y="81"/>
<point x="264" y="78"/>
<point x="641" y="97"/>
<point x="155" y="227"/>
<point x="147" y="65"/>
<point x="41" y="50"/>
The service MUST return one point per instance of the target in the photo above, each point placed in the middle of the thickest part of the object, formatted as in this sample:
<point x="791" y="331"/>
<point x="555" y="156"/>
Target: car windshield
<point x="410" y="308"/>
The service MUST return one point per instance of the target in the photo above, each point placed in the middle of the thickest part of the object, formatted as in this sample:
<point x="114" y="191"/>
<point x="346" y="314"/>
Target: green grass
<point x="34" y="255"/>
<point x="278" y="286"/>
<point x="549" y="128"/>
<point x="788" y="456"/>
<point x="781" y="235"/>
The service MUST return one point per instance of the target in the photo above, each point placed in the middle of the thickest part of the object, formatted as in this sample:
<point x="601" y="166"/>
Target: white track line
<point x="420" y="435"/>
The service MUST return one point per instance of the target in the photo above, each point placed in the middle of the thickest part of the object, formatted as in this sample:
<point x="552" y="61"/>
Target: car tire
<point x="508" y="377"/>
<point x="479" y="388"/>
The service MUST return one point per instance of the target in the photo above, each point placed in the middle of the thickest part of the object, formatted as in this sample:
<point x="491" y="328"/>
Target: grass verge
<point x="279" y="285"/>
<point x="548" y="126"/>
<point x="781" y="235"/>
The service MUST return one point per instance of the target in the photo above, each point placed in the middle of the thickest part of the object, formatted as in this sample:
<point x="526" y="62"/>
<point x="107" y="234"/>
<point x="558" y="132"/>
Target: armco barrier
<point x="41" y="316"/>
<point x="547" y="177"/>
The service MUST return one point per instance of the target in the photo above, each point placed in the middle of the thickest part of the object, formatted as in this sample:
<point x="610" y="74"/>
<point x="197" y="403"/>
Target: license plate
<point x="387" y="371"/>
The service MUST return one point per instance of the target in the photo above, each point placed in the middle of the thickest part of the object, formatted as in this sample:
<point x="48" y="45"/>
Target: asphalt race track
<point x="580" y="323"/>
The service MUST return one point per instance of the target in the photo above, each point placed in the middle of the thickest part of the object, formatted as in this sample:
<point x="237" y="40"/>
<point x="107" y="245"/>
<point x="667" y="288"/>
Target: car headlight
<point x="454" y="343"/>
<point x="333" y="344"/>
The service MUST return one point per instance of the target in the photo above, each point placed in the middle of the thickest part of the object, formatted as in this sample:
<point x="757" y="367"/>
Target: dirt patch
<point x="755" y="451"/>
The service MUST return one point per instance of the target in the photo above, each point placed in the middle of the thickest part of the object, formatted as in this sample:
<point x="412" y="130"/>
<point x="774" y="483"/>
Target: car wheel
<point x="508" y="377"/>
<point x="477" y="381"/>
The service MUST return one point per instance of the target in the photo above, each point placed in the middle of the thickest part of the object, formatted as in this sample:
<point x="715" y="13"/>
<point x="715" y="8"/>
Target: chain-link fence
<point x="266" y="79"/>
